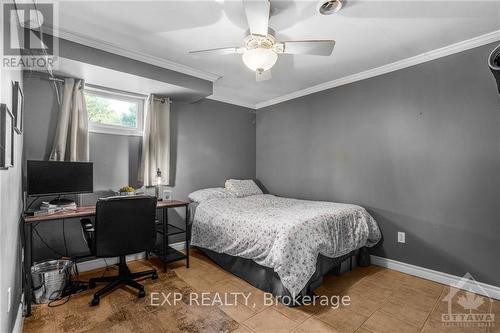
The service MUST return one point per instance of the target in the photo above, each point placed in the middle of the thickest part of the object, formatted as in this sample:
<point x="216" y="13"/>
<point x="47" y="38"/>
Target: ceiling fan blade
<point x="263" y="76"/>
<point x="220" y="51"/>
<point x="257" y="12"/>
<point x="312" y="47"/>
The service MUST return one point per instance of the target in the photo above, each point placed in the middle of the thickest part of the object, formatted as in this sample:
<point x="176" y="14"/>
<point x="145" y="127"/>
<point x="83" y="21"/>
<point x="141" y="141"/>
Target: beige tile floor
<point x="382" y="300"/>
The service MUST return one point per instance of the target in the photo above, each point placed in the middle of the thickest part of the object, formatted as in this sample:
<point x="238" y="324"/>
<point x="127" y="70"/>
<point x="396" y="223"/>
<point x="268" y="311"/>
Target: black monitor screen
<point x="49" y="177"/>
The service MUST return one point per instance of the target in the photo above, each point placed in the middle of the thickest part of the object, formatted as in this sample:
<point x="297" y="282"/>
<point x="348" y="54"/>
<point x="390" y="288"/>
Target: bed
<point x="280" y="245"/>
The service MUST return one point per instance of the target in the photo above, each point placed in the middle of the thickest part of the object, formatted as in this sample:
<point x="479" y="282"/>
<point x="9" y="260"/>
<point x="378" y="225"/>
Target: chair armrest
<point x="87" y="225"/>
<point x="88" y="232"/>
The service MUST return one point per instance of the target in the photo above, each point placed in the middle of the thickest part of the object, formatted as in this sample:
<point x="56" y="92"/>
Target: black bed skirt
<point x="266" y="279"/>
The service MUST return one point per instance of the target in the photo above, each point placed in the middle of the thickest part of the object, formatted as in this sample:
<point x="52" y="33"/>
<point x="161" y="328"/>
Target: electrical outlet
<point x="8" y="299"/>
<point x="401" y="237"/>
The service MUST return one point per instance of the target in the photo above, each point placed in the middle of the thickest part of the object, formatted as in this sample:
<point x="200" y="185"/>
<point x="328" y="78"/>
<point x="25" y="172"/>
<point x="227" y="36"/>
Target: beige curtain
<point x="71" y="141"/>
<point x="155" y="142"/>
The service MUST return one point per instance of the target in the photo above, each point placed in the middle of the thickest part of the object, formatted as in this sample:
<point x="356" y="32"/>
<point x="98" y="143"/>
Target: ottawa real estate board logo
<point x="467" y="309"/>
<point x="29" y="39"/>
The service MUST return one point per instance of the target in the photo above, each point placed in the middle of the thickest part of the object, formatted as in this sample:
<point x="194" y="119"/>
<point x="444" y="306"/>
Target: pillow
<point x="210" y="193"/>
<point x="242" y="188"/>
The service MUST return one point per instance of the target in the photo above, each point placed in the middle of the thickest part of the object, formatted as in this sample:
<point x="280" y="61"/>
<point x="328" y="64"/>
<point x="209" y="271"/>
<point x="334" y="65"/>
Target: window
<point x="114" y="113"/>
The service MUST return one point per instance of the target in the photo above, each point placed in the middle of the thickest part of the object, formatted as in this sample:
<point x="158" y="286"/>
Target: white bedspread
<point x="281" y="233"/>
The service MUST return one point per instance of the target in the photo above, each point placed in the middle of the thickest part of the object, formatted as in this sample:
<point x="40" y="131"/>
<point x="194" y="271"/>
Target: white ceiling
<point x="369" y="34"/>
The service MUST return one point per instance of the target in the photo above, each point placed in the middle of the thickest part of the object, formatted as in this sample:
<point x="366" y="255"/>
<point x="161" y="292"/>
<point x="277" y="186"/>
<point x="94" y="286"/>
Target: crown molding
<point x="231" y="101"/>
<point x="401" y="64"/>
<point x="408" y="62"/>
<point x="113" y="48"/>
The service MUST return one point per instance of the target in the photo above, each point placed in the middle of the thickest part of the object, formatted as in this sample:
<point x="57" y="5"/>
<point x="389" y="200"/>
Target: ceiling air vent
<point x="329" y="7"/>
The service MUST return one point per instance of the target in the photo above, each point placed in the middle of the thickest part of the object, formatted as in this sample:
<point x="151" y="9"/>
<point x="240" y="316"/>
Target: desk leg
<point x="165" y="238"/>
<point x="28" y="257"/>
<point x="187" y="237"/>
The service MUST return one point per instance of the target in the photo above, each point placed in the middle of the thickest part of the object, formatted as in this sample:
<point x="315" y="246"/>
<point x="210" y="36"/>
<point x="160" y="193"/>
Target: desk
<point x="164" y="251"/>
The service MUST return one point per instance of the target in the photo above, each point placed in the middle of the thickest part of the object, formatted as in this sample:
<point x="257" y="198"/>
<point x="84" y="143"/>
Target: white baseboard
<point x="18" y="326"/>
<point x="89" y="265"/>
<point x="444" y="278"/>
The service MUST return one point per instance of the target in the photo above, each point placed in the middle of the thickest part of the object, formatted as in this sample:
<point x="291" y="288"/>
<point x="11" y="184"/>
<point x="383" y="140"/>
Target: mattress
<point x="283" y="234"/>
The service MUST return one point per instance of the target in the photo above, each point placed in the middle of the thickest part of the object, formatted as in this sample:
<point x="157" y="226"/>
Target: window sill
<point x="115" y="131"/>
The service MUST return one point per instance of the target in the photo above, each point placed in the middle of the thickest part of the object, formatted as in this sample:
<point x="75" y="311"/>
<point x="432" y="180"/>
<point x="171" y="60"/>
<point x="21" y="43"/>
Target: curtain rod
<point x="157" y="99"/>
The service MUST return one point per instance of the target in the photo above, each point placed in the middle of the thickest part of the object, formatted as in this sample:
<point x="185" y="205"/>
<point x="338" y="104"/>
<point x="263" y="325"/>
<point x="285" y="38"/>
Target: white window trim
<point x="115" y="129"/>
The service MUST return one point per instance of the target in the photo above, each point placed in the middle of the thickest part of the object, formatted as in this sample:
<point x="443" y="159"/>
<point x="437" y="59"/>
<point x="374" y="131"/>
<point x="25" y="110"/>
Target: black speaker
<point x="494" y="63"/>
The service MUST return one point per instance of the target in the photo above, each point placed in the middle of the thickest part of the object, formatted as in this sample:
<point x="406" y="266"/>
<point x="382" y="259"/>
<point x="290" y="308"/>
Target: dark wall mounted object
<point x="494" y="62"/>
<point x="17" y="106"/>
<point x="6" y="137"/>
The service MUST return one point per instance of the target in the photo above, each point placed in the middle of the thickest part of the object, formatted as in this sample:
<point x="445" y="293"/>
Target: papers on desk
<point x="48" y="209"/>
<point x="48" y="205"/>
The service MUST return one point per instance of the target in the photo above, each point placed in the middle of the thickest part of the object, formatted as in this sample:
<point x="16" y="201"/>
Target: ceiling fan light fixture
<point x="259" y="59"/>
<point x="327" y="7"/>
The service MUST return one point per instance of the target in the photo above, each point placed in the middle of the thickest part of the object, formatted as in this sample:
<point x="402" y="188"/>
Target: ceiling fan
<point x="261" y="49"/>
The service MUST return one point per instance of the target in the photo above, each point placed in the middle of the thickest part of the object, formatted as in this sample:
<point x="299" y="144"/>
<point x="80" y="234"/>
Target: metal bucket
<point x="49" y="279"/>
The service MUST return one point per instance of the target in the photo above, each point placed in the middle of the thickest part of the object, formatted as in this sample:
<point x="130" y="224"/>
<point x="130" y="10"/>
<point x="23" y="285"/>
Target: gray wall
<point x="211" y="141"/>
<point x="419" y="148"/>
<point x="10" y="215"/>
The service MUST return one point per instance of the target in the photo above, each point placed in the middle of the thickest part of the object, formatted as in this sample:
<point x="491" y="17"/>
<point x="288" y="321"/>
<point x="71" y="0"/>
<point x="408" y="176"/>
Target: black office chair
<point x="123" y="225"/>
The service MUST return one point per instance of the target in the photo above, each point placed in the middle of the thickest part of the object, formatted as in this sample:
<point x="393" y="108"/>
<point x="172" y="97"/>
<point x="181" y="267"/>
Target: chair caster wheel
<point x="95" y="301"/>
<point x="154" y="276"/>
<point x="91" y="285"/>
<point x="142" y="293"/>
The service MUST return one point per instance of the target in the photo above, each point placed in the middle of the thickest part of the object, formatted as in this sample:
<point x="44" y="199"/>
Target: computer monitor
<point x="59" y="178"/>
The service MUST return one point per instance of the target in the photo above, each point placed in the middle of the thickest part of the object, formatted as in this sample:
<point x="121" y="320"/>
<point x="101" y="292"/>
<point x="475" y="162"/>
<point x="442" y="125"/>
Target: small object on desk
<point x="126" y="190"/>
<point x="166" y="195"/>
<point x="61" y="214"/>
<point x="68" y="206"/>
<point x="47" y="208"/>
<point x="43" y="212"/>
<point x="158" y="185"/>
